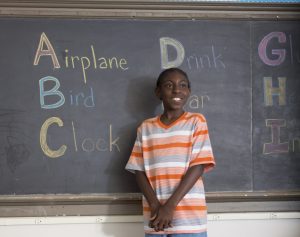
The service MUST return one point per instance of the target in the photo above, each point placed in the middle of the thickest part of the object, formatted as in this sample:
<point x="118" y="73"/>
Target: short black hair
<point x="166" y="72"/>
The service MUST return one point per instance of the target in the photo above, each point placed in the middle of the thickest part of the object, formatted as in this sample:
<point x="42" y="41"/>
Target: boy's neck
<point x="170" y="116"/>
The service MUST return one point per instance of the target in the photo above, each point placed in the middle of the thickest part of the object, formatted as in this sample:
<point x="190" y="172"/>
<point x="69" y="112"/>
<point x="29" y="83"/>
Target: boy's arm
<point x="165" y="213"/>
<point x="147" y="191"/>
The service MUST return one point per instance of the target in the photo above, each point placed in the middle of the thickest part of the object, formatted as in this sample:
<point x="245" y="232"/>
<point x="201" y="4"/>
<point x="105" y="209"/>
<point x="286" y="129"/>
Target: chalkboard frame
<point x="151" y="10"/>
<point x="130" y="204"/>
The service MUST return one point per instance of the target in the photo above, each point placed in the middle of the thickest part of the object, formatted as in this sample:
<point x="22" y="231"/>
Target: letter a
<point x="165" y="63"/>
<point x="45" y="52"/>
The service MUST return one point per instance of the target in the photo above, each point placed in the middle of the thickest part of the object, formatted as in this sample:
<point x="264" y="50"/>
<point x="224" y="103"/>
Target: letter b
<point x="53" y="91"/>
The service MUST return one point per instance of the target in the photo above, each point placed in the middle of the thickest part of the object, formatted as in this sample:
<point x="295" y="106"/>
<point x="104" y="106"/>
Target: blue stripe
<point x="186" y="221"/>
<point x="171" y="158"/>
<point x="170" y="190"/>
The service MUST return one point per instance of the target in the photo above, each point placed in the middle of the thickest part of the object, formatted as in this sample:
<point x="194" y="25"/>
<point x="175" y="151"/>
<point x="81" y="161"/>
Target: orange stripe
<point x="183" y="208"/>
<point x="191" y="208"/>
<point x="203" y="159"/>
<point x="203" y="132"/>
<point x="166" y="176"/>
<point x="200" y="116"/>
<point x="165" y="146"/>
<point x="137" y="154"/>
<point x="173" y="123"/>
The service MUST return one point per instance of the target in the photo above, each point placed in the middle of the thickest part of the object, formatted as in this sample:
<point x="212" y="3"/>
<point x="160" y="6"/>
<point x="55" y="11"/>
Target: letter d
<point x="165" y="63"/>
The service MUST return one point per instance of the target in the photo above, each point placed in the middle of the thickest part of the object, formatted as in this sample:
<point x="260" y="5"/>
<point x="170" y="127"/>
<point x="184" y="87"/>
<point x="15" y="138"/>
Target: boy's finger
<point x="153" y="217"/>
<point x="151" y="224"/>
<point x="161" y="226"/>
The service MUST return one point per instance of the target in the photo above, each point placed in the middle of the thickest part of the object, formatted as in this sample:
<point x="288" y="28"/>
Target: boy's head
<point x="164" y="74"/>
<point x="173" y="88"/>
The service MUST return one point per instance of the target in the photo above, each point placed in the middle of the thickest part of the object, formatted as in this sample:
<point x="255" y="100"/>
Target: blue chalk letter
<point x="53" y="91"/>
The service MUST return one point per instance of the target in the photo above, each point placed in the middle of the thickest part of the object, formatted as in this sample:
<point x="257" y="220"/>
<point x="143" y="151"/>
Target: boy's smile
<point x="174" y="91"/>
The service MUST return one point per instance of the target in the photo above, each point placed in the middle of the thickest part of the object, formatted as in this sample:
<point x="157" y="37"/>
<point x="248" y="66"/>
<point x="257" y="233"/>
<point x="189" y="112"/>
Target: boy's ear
<point x="157" y="93"/>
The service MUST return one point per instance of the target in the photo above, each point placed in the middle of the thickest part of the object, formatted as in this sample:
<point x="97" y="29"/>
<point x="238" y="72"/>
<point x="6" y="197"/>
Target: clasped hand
<point x="161" y="217"/>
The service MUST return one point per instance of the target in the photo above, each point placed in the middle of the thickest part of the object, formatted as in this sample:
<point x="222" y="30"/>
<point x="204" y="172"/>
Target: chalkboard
<point x="74" y="91"/>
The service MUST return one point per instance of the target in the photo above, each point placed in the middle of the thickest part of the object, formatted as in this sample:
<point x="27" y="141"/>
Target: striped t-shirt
<point x="164" y="153"/>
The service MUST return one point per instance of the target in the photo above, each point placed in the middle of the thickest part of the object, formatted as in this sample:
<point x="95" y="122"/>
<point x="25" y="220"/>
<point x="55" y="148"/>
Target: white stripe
<point x="169" y="134"/>
<point x="187" y="196"/>
<point x="187" y="227"/>
<point x="205" y="148"/>
<point x="166" y="165"/>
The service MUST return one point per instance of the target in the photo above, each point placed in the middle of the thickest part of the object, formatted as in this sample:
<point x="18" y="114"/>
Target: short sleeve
<point x="136" y="161"/>
<point x="202" y="151"/>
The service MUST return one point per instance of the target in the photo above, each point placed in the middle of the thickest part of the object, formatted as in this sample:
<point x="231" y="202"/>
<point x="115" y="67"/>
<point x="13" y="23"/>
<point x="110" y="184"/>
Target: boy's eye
<point x="168" y="85"/>
<point x="184" y="85"/>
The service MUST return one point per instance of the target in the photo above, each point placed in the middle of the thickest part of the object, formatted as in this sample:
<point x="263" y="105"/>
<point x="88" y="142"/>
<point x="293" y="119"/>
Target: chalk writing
<point x="270" y="91"/>
<point x="209" y="60"/>
<point x="45" y="52"/>
<point x="280" y="53"/>
<point x="97" y="63"/>
<point x="87" y="144"/>
<point x="197" y="102"/>
<point x="278" y="56"/>
<point x="165" y="61"/>
<point x="80" y="98"/>
<point x="99" y="144"/>
<point x="52" y="92"/>
<point x="275" y="146"/>
<point x="82" y="62"/>
<point x="74" y="137"/>
<point x="43" y="138"/>
<point x="76" y="99"/>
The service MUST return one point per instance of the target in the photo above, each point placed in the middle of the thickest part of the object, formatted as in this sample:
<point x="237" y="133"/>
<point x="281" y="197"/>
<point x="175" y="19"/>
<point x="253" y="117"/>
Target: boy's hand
<point x="154" y="211"/>
<point x="164" y="218"/>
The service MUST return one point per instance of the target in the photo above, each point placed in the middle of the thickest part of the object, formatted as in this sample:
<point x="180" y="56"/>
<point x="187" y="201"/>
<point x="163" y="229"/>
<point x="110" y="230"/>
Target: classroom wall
<point x="219" y="225"/>
<point x="260" y="224"/>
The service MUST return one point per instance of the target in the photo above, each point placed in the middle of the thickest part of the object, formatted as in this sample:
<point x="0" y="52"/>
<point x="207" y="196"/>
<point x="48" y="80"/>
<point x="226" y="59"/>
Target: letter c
<point x="43" y="138"/>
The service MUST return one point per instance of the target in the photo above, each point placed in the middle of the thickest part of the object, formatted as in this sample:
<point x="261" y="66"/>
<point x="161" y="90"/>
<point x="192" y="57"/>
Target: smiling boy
<point x="170" y="154"/>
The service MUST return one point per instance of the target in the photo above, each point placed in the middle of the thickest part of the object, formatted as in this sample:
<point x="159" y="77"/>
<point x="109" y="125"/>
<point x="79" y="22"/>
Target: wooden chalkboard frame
<point x="147" y="10"/>
<point x="130" y="204"/>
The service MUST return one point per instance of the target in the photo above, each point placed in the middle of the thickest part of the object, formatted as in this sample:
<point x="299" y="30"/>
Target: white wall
<point x="220" y="225"/>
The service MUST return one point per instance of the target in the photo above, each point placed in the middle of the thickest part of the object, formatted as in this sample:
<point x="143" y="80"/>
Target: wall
<point x="223" y="225"/>
<point x="273" y="224"/>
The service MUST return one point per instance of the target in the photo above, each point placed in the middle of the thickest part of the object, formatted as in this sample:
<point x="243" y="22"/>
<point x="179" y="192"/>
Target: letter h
<point x="270" y="91"/>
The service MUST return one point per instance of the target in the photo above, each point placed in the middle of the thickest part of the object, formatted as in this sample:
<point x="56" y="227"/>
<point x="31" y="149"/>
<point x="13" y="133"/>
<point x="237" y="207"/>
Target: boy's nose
<point x="175" y="89"/>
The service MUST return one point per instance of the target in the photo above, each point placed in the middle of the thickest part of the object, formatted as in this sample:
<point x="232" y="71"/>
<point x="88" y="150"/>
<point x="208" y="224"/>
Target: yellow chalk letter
<point x="43" y="138"/>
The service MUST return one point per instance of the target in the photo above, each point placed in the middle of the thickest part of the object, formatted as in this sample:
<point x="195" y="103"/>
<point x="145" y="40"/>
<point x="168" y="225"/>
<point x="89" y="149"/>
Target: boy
<point x="170" y="154"/>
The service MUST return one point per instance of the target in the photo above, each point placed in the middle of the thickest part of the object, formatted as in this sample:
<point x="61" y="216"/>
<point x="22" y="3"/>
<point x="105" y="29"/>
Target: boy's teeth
<point x="176" y="99"/>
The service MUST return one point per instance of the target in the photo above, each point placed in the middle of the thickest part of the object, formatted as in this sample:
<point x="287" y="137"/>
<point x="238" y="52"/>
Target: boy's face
<point x="174" y="91"/>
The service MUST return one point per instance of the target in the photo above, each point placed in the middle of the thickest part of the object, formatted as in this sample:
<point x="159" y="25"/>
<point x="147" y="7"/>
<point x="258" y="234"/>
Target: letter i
<point x="67" y="58"/>
<point x="71" y="98"/>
